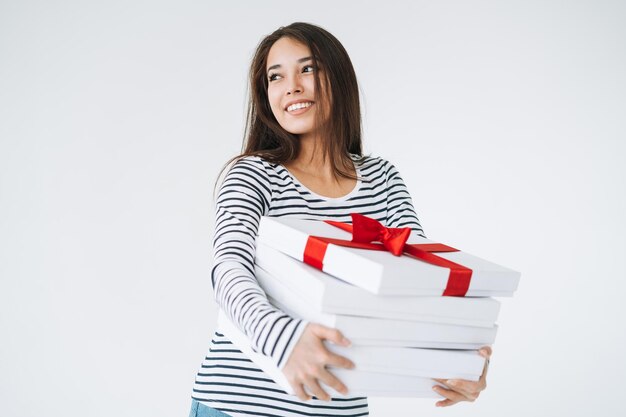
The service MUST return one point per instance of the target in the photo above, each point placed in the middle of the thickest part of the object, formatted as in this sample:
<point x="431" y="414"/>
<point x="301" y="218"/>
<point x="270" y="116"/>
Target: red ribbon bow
<point x="366" y="230"/>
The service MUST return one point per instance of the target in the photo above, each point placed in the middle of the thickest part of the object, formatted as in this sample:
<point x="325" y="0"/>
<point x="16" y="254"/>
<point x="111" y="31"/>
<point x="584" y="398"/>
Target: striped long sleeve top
<point x="227" y="379"/>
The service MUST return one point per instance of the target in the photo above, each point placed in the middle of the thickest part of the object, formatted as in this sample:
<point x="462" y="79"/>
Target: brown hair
<point x="341" y="134"/>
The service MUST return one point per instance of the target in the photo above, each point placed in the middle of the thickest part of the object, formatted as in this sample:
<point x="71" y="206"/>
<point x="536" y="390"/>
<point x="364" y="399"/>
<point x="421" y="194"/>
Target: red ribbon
<point x="366" y="230"/>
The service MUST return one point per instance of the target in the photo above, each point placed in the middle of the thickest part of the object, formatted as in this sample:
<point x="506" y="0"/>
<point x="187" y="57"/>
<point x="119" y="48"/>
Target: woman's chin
<point x="298" y="130"/>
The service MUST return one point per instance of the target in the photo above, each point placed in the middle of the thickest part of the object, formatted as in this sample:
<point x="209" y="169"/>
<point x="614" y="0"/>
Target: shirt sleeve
<point x="400" y="210"/>
<point x="243" y="198"/>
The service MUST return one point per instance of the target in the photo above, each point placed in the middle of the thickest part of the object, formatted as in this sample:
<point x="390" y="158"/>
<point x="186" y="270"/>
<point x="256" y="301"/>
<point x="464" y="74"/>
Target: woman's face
<point x="291" y="86"/>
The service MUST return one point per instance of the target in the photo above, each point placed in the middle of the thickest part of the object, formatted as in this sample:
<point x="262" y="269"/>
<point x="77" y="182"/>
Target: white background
<point x="507" y="120"/>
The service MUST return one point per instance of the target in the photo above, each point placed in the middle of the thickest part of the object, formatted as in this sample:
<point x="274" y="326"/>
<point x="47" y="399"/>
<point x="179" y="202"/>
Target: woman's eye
<point x="272" y="77"/>
<point x="310" y="67"/>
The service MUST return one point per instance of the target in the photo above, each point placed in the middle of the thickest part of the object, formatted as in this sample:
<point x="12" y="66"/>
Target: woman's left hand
<point x="461" y="389"/>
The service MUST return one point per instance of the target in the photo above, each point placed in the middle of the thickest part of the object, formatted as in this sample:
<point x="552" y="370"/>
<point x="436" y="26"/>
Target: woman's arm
<point x="243" y="198"/>
<point x="295" y="345"/>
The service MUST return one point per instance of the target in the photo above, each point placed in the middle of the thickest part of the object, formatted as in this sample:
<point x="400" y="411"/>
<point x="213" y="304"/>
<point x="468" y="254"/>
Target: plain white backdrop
<point x="507" y="120"/>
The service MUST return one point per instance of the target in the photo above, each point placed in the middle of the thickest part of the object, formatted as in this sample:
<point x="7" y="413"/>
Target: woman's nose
<point x="294" y="86"/>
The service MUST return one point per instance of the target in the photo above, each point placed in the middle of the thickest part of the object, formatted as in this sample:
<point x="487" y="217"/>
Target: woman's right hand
<point x="306" y="365"/>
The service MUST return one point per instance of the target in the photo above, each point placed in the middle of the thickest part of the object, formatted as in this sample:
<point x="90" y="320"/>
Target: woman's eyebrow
<point x="306" y="58"/>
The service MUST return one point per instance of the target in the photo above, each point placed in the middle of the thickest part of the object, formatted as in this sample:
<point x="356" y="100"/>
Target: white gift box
<point x="359" y="383"/>
<point x="329" y="295"/>
<point x="381" y="272"/>
<point x="426" y="363"/>
<point x="370" y="331"/>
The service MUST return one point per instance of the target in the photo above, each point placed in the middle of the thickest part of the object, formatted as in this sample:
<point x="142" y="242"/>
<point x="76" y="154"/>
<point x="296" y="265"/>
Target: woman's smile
<point x="299" y="108"/>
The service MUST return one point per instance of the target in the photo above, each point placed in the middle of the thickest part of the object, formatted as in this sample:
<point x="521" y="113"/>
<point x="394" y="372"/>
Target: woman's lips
<point x="300" y="111"/>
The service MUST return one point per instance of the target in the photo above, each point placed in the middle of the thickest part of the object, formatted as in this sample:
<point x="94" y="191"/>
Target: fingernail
<point x="436" y="388"/>
<point x="451" y="382"/>
<point x="346" y="342"/>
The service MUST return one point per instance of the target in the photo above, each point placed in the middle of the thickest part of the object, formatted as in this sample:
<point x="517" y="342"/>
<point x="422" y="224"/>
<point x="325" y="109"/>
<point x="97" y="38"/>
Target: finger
<point x="332" y="335"/>
<point x="316" y="389"/>
<point x="333" y="382"/>
<point x="445" y="403"/>
<point x="338" y="361"/>
<point x="441" y="381"/>
<point x="450" y="394"/>
<point x="444" y="382"/>
<point x="299" y="391"/>
<point x="470" y="389"/>
<point x="483" y="376"/>
<point x="485" y="352"/>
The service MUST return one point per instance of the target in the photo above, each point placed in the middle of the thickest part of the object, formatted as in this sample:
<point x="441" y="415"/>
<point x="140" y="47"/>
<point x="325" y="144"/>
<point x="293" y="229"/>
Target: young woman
<point x="302" y="158"/>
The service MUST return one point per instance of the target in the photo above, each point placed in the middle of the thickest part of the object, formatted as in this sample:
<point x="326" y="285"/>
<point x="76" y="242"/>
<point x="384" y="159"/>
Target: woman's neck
<point x="311" y="160"/>
<point x="316" y="172"/>
<point x="311" y="157"/>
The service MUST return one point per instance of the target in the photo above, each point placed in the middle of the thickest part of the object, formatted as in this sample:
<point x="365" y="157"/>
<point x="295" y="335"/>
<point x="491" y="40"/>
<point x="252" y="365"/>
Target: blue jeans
<point x="200" y="410"/>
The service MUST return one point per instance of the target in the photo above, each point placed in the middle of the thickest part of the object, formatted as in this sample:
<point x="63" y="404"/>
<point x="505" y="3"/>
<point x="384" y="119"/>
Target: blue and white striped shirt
<point x="228" y="380"/>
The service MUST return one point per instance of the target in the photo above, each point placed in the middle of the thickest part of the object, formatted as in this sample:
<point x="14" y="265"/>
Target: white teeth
<point x="299" y="106"/>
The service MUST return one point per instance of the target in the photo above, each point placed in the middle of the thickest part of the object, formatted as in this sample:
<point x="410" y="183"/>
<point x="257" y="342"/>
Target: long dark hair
<point x="341" y="134"/>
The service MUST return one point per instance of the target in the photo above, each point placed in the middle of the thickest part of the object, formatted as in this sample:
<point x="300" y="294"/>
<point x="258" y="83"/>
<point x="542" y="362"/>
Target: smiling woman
<point x="302" y="158"/>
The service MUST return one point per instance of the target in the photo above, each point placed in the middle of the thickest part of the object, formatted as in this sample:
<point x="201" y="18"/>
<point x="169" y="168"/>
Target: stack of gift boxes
<point x="418" y="313"/>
